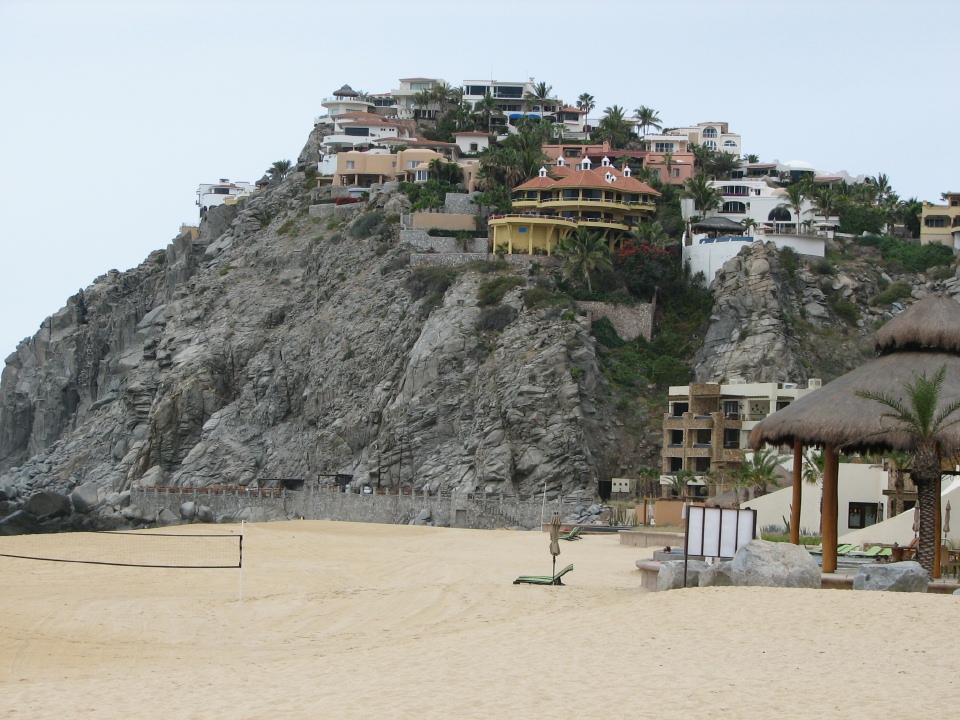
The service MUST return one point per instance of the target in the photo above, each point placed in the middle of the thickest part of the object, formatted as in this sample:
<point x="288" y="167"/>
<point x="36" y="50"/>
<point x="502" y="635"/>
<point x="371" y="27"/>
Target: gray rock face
<point x="908" y="576"/>
<point x="21" y="523"/>
<point x="670" y="575"/>
<point x="282" y="354"/>
<point x="716" y="575"/>
<point x="767" y="564"/>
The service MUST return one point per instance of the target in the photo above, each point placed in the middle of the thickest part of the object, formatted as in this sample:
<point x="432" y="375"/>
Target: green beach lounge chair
<point x="574" y="534"/>
<point x="543" y="579"/>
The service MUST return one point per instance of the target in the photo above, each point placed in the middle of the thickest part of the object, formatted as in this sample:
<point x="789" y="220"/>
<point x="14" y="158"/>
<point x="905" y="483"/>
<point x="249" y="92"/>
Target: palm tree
<point x="721" y="165"/>
<point x="422" y="99"/>
<point x="760" y="471"/>
<point x="614" y="127"/>
<point x="825" y="201"/>
<point x="748" y="223"/>
<point x="917" y="415"/>
<point x="751" y="158"/>
<point x="882" y="185"/>
<point x="680" y="480"/>
<point x="586" y="103"/>
<point x="539" y="95"/>
<point x="486" y="108"/>
<point x="704" y="195"/>
<point x="796" y="194"/>
<point x="647" y="118"/>
<point x="701" y="155"/>
<point x="279" y="170"/>
<point x="652" y="234"/>
<point x="582" y="252"/>
<point x="650" y="479"/>
<point x="667" y="160"/>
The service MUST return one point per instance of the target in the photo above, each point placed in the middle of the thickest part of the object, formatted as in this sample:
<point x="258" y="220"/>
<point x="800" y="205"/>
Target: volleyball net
<point x="130" y="549"/>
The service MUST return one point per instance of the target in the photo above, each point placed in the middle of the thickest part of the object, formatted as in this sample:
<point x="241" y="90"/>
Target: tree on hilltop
<point x="279" y="170"/>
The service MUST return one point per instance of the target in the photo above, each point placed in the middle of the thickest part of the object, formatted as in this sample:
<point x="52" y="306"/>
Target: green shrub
<point x="844" y="310"/>
<point x="333" y="223"/>
<point x="606" y="334"/>
<point x="492" y="291"/>
<point x="913" y="256"/>
<point x="364" y="225"/>
<point x="539" y="297"/>
<point x="396" y="263"/>
<point x="349" y="354"/>
<point x="495" y="318"/>
<point x="285" y="228"/>
<point x="568" y="316"/>
<point x="822" y="267"/>
<point x="789" y="262"/>
<point x="424" y="281"/>
<point x="225" y="269"/>
<point x="896" y="291"/>
<point x="440" y="232"/>
<point x="487" y="266"/>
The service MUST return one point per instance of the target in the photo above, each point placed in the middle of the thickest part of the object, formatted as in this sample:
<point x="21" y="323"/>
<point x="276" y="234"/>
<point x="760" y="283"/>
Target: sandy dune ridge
<point x="351" y="620"/>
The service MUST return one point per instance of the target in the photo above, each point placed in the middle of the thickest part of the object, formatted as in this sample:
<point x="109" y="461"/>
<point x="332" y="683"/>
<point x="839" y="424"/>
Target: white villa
<point x="354" y="131"/>
<point x="714" y="135"/>
<point x="406" y="108"/>
<point x="210" y="195"/>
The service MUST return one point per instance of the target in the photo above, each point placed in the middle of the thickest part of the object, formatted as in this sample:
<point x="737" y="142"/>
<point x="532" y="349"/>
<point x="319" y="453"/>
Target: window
<point x="676" y="172"/>
<point x="700" y="465"/>
<point x="735" y="190"/>
<point x="351" y="164"/>
<point x="676" y="438"/>
<point x="734" y="207"/>
<point x="411" y="164"/>
<point x="731" y="438"/>
<point x="221" y="191"/>
<point x="779" y="215"/>
<point x="709" y="132"/>
<point x="663" y="147"/>
<point x="474" y="147"/>
<point x="861" y="515"/>
<point x="954" y="202"/>
<point x="781" y="404"/>
<point x="477" y="89"/>
<point x="731" y="409"/>
<point x="729" y="143"/>
<point x="935" y="221"/>
<point x="571" y="152"/>
<point x="703" y="438"/>
<point x="357" y="131"/>
<point x="676" y="464"/>
<point x="656" y="172"/>
<point x="712" y="144"/>
<point x="679" y="408"/>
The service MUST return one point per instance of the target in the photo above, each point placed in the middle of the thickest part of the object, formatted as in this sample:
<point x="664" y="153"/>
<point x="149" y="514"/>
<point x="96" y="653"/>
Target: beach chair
<point x="574" y="534"/>
<point x="543" y="579"/>
<point x="873" y="552"/>
<point x="845" y="549"/>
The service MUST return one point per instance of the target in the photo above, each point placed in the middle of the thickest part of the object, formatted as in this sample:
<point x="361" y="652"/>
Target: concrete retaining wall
<point x="630" y="321"/>
<point x="444" y="221"/>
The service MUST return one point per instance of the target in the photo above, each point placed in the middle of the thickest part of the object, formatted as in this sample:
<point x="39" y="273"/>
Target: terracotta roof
<point x="572" y="110"/>
<point x="477" y="133"/>
<point x="357" y="115"/>
<point x="537" y="183"/>
<point x="418" y="79"/>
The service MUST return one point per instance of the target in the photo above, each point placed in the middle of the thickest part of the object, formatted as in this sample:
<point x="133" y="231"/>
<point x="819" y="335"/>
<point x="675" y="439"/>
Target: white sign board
<point x="718" y="532"/>
<point x="621" y="485"/>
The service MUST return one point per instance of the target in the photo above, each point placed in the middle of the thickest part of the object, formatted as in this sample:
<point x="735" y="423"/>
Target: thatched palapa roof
<point x="921" y="339"/>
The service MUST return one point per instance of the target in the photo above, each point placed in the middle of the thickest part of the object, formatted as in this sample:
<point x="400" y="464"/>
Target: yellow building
<point x="547" y="209"/>
<point x="941" y="223"/>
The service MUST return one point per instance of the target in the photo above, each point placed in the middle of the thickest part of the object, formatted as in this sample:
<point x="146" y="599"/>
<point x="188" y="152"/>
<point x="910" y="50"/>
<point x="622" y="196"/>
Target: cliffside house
<point x="221" y="193"/>
<point x="406" y="106"/>
<point x="547" y="209"/>
<point x="941" y="223"/>
<point x="354" y="131"/>
<point x="714" y="135"/>
<point x="358" y="168"/>
<point x="346" y="100"/>
<point x="512" y="101"/>
<point x="707" y="425"/>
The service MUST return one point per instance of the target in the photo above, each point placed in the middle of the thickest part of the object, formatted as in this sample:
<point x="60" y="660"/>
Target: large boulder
<point x="205" y="514"/>
<point x="166" y="517"/>
<point x="670" y="575"/>
<point x="188" y="510"/>
<point x="20" y="523"/>
<point x="906" y="576"/>
<point x="716" y="575"/>
<point x="768" y="564"/>
<point x="85" y="498"/>
<point x="48" y="504"/>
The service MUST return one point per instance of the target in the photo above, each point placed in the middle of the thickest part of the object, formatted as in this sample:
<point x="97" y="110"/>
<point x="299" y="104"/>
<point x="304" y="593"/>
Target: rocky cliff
<point x="278" y="345"/>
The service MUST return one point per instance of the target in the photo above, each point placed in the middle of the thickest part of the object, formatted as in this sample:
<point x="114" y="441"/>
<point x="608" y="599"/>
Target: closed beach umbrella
<point x="555" y="539"/>
<point x="916" y="519"/>
<point x="946" y="521"/>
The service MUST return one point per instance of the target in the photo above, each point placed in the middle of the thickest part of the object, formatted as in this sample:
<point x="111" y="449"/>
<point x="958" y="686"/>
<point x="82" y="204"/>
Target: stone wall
<point x="421" y="240"/>
<point x="445" y="259"/>
<point x="630" y="321"/>
<point x="482" y="512"/>
<point x="460" y="203"/>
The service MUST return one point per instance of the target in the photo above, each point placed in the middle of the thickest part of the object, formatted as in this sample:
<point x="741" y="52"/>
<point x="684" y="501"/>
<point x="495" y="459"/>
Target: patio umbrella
<point x="916" y="519"/>
<point x="555" y="539"/>
<point x="946" y="521"/>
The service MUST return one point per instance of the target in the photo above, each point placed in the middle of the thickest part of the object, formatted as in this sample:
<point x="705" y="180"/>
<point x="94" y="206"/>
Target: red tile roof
<point x="595" y="178"/>
<point x="537" y="183"/>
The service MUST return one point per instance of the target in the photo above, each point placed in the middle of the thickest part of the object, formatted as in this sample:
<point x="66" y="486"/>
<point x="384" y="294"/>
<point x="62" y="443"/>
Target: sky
<point x="113" y="112"/>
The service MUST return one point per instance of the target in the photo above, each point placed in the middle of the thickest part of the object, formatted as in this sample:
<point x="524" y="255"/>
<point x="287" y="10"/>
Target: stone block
<point x="670" y="576"/>
<point x="716" y="575"/>
<point x="908" y="576"/>
<point x="767" y="564"/>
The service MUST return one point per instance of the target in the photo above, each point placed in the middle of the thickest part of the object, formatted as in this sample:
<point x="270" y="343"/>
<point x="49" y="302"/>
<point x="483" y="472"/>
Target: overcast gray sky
<point x="112" y="112"/>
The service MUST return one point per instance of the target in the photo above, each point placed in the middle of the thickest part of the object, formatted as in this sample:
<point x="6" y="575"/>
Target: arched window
<point x="780" y="214"/>
<point x="734" y="207"/>
<point x="729" y="143"/>
<point x="709" y="132"/>
<point x="712" y="144"/>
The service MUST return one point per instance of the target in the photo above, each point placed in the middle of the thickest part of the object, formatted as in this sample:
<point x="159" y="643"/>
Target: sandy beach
<point x="350" y="620"/>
